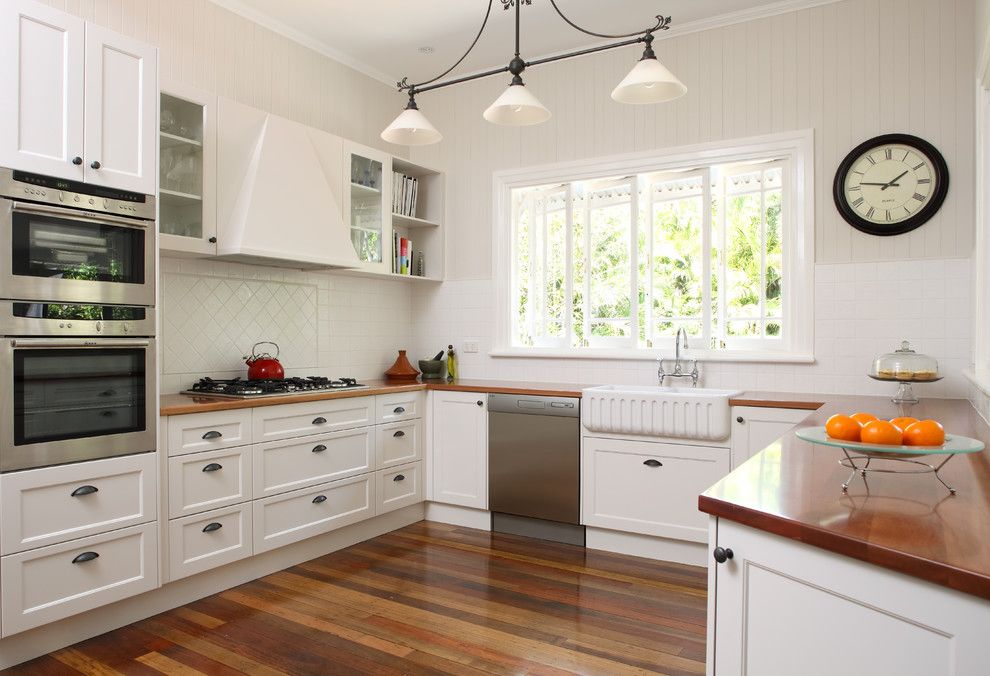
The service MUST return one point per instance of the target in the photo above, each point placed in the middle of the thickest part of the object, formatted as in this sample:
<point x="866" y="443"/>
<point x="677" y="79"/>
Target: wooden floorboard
<point x="427" y="599"/>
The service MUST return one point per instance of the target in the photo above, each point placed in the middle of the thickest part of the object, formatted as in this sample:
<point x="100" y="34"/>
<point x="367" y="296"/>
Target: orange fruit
<point x="903" y="422"/>
<point x="924" y="433"/>
<point x="843" y="427"/>
<point x="881" y="432"/>
<point x="863" y="418"/>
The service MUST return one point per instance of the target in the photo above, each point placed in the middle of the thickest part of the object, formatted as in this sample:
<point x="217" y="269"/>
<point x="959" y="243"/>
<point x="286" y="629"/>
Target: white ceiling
<point x="382" y="37"/>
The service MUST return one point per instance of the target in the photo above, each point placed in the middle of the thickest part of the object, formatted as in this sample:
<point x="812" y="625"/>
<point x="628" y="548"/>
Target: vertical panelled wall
<point x="849" y="70"/>
<point x="204" y="45"/>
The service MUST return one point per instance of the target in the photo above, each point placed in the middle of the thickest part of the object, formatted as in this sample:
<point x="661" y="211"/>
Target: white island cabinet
<point x="779" y="607"/>
<point x="756" y="427"/>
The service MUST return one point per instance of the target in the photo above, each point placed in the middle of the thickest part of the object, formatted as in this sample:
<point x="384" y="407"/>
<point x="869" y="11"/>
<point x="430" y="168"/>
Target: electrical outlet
<point x="470" y="346"/>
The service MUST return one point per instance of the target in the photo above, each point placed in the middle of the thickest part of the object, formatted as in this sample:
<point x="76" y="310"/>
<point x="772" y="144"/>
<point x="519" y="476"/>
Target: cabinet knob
<point x="96" y="164"/>
<point x="210" y="527"/>
<point x="481" y="403"/>
<point x="84" y="490"/>
<point x="213" y="240"/>
<point x="739" y="419"/>
<point x="77" y="160"/>
<point x="652" y="463"/>
<point x="722" y="554"/>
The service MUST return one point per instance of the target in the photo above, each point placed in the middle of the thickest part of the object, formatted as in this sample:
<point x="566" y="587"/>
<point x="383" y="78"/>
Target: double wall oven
<point x="77" y="320"/>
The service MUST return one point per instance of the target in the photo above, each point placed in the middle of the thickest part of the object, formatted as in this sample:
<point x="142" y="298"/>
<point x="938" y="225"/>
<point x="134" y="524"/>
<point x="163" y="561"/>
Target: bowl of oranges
<point x="902" y="435"/>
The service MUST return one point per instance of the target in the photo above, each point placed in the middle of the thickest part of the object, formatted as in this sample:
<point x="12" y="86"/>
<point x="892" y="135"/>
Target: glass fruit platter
<point x="859" y="456"/>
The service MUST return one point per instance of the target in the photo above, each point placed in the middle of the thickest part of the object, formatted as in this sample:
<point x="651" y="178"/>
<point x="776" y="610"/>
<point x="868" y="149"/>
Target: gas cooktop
<point x="250" y="389"/>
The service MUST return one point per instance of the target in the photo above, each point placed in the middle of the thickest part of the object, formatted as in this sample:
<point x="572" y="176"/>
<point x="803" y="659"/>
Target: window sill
<point x="727" y="356"/>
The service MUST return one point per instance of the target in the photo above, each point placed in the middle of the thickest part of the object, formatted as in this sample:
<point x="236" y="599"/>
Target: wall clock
<point x="891" y="184"/>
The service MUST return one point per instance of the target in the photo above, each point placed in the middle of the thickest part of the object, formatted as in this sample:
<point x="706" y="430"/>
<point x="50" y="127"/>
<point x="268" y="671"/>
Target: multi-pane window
<point x="624" y="262"/>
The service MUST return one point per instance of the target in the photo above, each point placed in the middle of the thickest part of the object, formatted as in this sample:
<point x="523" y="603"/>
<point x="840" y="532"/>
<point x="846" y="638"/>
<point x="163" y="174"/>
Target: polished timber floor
<point x="428" y="598"/>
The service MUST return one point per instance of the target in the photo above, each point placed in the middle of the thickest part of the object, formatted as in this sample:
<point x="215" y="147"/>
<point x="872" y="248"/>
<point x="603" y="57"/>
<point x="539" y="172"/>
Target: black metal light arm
<point x="518" y="65"/>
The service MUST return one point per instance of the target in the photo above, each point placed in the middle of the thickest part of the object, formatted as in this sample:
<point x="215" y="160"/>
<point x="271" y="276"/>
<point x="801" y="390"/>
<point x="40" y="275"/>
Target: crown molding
<point x="719" y="21"/>
<point x="267" y="21"/>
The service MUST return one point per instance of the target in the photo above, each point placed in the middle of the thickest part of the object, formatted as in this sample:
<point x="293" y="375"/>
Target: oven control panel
<point x="21" y="318"/>
<point x="74" y="194"/>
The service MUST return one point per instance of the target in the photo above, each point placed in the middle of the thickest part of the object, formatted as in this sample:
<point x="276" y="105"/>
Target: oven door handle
<point x="40" y="343"/>
<point x="76" y="215"/>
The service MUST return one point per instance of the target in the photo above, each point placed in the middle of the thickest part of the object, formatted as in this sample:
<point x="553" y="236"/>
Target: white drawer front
<point x="204" y="541"/>
<point x="272" y="423"/>
<point x="203" y="481"/>
<point x="649" y="488"/>
<point x="286" y="466"/>
<point x="55" y="504"/>
<point x="208" y="431"/>
<point x="399" y="487"/>
<point x="44" y="585"/>
<point x="400" y="406"/>
<point x="400" y="443"/>
<point x="295" y="516"/>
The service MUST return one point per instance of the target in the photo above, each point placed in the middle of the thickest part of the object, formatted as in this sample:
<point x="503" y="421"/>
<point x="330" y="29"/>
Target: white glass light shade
<point x="411" y="128"/>
<point x="649" y="82"/>
<point x="517" y="107"/>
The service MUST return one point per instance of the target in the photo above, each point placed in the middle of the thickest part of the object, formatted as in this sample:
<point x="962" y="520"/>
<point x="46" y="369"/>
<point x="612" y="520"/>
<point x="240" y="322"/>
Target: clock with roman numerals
<point x="891" y="184"/>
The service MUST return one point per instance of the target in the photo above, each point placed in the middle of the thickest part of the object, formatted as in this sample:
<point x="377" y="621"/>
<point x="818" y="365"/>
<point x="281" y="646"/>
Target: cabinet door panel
<point x="908" y="626"/>
<point x="754" y="428"/>
<point x="460" y="449"/>
<point x="41" y="121"/>
<point x="649" y="488"/>
<point x="121" y="111"/>
<point x="285" y="466"/>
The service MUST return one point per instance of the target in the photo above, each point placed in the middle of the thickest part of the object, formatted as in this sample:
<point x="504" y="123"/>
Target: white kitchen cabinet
<point x="754" y="428"/>
<point x="399" y="487"/>
<point x="201" y="481"/>
<point x="195" y="432"/>
<point x="297" y="463"/>
<point x="367" y="199"/>
<point x="55" y="504"/>
<point x="272" y="423"/>
<point x="187" y="139"/>
<point x="648" y="487"/>
<point x="399" y="443"/>
<point x="47" y="584"/>
<point x="459" y="458"/>
<point x="121" y="111"/>
<point x="400" y="406"/>
<point x="41" y="120"/>
<point x="779" y="607"/>
<point x="203" y="541"/>
<point x="81" y="100"/>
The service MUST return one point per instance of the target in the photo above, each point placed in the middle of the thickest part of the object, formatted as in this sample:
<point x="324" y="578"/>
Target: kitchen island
<point x="892" y="576"/>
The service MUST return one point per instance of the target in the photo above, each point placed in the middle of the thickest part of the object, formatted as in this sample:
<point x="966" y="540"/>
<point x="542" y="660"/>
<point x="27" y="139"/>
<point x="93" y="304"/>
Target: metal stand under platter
<point x="861" y="469"/>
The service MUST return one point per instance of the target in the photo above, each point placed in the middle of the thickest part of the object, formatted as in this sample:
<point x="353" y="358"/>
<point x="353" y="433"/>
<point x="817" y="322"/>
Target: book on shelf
<point x="405" y="192"/>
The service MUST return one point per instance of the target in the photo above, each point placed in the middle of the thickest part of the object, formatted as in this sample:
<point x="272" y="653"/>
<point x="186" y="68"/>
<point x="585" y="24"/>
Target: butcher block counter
<point x="906" y="523"/>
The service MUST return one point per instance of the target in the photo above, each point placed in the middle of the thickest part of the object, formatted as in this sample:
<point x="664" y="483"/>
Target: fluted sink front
<point x="676" y="412"/>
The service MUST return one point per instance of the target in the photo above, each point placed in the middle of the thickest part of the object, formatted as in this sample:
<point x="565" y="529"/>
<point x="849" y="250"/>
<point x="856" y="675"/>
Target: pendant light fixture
<point x="648" y="82"/>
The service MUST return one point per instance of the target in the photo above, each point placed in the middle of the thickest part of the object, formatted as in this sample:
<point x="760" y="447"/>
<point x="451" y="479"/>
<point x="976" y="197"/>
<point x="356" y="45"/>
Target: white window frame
<point x="796" y="152"/>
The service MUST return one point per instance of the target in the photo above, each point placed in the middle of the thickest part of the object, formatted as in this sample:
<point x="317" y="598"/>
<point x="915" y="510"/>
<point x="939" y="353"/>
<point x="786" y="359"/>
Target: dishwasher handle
<point x="565" y="407"/>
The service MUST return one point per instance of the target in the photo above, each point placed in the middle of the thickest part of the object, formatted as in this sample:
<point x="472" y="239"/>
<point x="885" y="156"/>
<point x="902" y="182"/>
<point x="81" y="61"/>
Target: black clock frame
<point x="922" y="216"/>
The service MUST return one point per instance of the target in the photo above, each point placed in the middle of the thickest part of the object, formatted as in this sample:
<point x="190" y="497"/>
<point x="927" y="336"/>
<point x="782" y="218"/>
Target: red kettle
<point x="264" y="366"/>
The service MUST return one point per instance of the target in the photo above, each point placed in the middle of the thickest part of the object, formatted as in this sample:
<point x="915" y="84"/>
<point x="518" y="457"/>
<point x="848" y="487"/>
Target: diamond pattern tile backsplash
<point x="212" y="313"/>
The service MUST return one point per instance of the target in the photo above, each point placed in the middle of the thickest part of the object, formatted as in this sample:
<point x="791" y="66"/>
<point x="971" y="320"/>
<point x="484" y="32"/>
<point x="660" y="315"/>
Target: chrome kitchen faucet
<point x="678" y="371"/>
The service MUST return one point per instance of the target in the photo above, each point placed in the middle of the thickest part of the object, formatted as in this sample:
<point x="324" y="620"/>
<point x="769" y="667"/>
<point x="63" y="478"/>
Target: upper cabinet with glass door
<point x="366" y="196"/>
<point x="187" y="171"/>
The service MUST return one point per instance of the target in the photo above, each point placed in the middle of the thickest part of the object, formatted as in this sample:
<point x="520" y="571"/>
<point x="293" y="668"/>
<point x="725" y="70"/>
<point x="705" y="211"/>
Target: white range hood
<point x="278" y="192"/>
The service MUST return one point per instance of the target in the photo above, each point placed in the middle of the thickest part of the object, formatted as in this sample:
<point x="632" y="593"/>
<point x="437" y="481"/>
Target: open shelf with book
<point x="417" y="220"/>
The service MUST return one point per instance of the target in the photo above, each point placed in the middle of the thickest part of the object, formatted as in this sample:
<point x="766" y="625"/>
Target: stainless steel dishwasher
<point x="534" y="466"/>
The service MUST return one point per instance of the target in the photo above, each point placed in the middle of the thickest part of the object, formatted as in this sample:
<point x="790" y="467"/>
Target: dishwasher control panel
<point x="519" y="403"/>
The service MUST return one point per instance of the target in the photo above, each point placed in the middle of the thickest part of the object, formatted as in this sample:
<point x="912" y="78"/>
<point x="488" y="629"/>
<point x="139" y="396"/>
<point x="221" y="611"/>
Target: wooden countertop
<point x="907" y="523"/>
<point x="181" y="404"/>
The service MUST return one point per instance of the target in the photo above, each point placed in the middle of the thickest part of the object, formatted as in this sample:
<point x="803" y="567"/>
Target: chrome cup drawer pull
<point x="319" y="498"/>
<point x="319" y="448"/>
<point x="85" y="556"/>
<point x="320" y="421"/>
<point x="399" y="434"/>
<point x="84" y="490"/>
<point x="210" y="527"/>
<point x="213" y="467"/>
<point x="652" y="463"/>
<point x="212" y="434"/>
<point x="398" y="410"/>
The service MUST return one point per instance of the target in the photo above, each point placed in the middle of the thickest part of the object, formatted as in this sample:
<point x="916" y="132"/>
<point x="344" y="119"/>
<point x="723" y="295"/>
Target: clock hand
<point x="896" y="185"/>
<point x="893" y="183"/>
